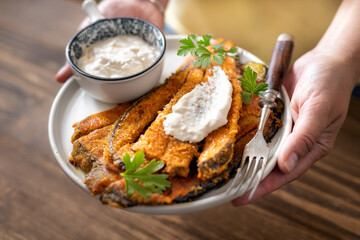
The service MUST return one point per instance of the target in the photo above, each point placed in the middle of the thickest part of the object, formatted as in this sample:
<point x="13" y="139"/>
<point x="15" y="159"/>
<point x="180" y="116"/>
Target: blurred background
<point x="254" y="24"/>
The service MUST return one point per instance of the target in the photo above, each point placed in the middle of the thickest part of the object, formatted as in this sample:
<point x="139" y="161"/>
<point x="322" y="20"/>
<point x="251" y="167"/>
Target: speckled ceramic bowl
<point x="123" y="89"/>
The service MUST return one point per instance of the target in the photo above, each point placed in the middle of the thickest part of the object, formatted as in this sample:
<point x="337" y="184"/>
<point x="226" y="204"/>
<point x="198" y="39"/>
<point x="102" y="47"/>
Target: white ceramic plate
<point x="72" y="104"/>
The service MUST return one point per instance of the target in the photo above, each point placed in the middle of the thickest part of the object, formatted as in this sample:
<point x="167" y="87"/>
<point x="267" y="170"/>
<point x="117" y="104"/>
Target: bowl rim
<point x="75" y="68"/>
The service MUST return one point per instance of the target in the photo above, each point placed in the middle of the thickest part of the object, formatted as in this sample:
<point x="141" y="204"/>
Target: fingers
<point x="306" y="132"/>
<point x="300" y="150"/>
<point x="139" y="9"/>
<point x="63" y="74"/>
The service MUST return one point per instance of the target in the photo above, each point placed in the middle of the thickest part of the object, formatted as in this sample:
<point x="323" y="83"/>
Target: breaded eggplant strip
<point x="98" y="120"/>
<point x="177" y="157"/>
<point x="176" y="154"/>
<point x="250" y="116"/>
<point x="219" y="144"/>
<point x="89" y="149"/>
<point x="133" y="122"/>
<point x="99" y="178"/>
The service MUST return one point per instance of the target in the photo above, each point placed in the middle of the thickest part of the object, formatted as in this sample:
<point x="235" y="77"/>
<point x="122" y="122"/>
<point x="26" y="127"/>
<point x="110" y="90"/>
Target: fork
<point x="256" y="152"/>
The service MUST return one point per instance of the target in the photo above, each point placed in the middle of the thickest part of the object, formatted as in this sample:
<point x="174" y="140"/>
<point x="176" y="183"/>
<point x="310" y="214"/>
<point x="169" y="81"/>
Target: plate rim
<point x="177" y="208"/>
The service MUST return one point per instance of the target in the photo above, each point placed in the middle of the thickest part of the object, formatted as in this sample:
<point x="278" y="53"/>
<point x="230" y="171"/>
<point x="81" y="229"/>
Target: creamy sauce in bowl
<point x="202" y="110"/>
<point x="117" y="57"/>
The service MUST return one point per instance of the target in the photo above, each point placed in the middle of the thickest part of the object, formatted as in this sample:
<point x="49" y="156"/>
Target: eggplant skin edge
<point x="116" y="199"/>
<point x="217" y="161"/>
<point x="210" y="184"/>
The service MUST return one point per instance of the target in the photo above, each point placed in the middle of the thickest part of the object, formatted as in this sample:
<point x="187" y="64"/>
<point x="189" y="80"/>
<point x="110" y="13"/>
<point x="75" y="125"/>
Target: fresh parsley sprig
<point x="248" y="84"/>
<point x="150" y="183"/>
<point x="198" y="48"/>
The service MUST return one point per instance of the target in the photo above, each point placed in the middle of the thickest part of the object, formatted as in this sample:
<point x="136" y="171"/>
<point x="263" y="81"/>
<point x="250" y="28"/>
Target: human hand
<point x="120" y="8"/>
<point x="319" y="86"/>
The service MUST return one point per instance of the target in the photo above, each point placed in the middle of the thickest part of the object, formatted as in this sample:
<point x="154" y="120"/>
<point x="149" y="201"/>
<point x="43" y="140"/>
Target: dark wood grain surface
<point x="38" y="201"/>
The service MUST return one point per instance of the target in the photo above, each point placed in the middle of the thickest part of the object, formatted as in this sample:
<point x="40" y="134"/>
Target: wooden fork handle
<point x="280" y="60"/>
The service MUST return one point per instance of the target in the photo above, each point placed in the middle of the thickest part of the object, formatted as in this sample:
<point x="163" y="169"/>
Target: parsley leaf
<point x="191" y="45"/>
<point x="150" y="183"/>
<point x="203" y="61"/>
<point x="248" y="84"/>
<point x="246" y="97"/>
<point x="188" y="46"/>
<point x="218" y="58"/>
<point x="205" y="40"/>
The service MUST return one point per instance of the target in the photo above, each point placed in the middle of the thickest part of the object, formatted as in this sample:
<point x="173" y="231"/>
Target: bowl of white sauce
<point x="116" y="60"/>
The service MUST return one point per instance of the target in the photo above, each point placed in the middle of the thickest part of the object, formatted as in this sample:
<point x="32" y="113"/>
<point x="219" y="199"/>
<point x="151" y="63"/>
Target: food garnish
<point x="150" y="183"/>
<point x="198" y="48"/>
<point x="248" y="84"/>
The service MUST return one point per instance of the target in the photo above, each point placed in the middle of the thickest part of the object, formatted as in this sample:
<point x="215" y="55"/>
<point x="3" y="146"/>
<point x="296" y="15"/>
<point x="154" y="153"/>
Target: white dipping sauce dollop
<point x="117" y="57"/>
<point x="202" y="110"/>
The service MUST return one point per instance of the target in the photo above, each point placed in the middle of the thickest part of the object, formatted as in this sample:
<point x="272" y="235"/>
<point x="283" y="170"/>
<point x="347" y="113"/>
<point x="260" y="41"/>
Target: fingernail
<point x="291" y="162"/>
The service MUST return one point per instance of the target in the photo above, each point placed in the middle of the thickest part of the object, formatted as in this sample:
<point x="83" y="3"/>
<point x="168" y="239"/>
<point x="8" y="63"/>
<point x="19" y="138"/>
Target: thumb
<point x="306" y="132"/>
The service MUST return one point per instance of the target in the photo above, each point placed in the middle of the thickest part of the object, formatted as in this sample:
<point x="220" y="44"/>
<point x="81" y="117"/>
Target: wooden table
<point x="38" y="201"/>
